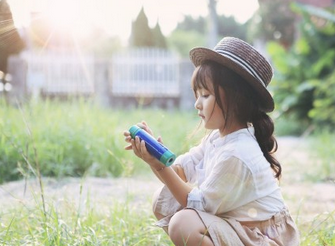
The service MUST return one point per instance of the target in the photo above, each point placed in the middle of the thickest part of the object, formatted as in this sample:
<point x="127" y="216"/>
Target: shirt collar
<point x="217" y="140"/>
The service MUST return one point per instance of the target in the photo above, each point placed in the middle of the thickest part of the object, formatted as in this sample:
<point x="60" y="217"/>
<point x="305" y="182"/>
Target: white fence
<point x="55" y="73"/>
<point x="140" y="72"/>
<point x="145" y="72"/>
<point x="151" y="77"/>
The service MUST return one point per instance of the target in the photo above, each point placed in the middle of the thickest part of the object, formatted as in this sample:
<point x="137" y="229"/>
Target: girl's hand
<point x="128" y="138"/>
<point x="140" y="149"/>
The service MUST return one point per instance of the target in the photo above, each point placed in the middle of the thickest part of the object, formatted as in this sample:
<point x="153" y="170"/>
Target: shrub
<point x="304" y="82"/>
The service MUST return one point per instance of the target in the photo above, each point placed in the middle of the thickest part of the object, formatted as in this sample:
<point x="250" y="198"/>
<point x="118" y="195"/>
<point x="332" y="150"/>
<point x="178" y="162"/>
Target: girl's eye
<point x="205" y="95"/>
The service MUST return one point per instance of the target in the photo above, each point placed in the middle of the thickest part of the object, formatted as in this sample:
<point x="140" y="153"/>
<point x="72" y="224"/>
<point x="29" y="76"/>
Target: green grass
<point x="121" y="224"/>
<point x="322" y="149"/>
<point x="320" y="231"/>
<point x="76" y="138"/>
<point x="60" y="139"/>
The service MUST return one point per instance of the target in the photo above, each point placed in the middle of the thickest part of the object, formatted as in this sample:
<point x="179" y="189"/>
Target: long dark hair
<point x="239" y="102"/>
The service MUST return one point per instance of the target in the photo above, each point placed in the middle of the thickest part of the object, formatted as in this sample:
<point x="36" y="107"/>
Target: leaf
<point x="302" y="47"/>
<point x="325" y="61"/>
<point x="306" y="86"/>
<point x="315" y="11"/>
<point x="288" y="102"/>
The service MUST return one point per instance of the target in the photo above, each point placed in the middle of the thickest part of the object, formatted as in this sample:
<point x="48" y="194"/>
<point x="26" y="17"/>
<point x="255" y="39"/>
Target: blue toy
<point x="155" y="148"/>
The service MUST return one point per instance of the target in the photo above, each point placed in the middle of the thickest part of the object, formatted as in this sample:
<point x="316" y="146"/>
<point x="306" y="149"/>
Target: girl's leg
<point x="157" y="215"/>
<point x="187" y="229"/>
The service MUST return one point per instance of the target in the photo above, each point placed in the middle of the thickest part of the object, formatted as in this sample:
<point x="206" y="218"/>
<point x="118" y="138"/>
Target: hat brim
<point x="200" y="54"/>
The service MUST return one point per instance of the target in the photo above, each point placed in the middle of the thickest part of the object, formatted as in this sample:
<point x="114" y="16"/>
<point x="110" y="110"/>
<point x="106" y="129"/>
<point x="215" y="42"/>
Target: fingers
<point x="142" y="125"/>
<point x="128" y="147"/>
<point x="140" y="149"/>
<point x="126" y="134"/>
<point x="144" y="152"/>
<point x="127" y="138"/>
<point x="145" y="127"/>
<point x="136" y="146"/>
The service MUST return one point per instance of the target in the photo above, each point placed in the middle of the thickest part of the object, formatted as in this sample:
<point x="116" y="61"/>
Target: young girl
<point x="225" y="190"/>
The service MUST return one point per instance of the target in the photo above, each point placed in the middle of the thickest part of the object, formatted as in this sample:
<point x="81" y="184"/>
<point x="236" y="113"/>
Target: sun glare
<point x="62" y="14"/>
<point x="68" y="16"/>
<point x="114" y="17"/>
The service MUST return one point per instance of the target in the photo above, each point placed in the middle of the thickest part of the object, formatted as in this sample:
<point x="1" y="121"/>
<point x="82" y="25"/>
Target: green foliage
<point x="193" y="24"/>
<point x="304" y="79"/>
<point x="288" y="125"/>
<point x="228" y="26"/>
<point x="63" y="140"/>
<point x="191" y="32"/>
<point x="274" y="20"/>
<point x="182" y="45"/>
<point x="77" y="138"/>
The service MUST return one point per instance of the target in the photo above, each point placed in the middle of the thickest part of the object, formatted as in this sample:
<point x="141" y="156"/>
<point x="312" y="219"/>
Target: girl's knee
<point x="180" y="222"/>
<point x="187" y="228"/>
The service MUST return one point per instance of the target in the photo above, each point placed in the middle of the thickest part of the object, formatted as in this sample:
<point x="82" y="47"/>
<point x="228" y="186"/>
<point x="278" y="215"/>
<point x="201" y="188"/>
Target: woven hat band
<point x="242" y="63"/>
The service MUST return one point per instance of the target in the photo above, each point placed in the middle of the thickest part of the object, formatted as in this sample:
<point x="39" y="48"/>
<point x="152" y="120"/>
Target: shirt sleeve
<point x="190" y="160"/>
<point x="228" y="186"/>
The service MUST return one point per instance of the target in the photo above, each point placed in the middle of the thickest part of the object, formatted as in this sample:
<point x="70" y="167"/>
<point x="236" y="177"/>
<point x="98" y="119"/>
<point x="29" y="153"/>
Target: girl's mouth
<point x="201" y="116"/>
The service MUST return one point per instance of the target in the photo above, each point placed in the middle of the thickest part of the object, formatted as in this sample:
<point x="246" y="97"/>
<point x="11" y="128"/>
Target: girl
<point x="224" y="191"/>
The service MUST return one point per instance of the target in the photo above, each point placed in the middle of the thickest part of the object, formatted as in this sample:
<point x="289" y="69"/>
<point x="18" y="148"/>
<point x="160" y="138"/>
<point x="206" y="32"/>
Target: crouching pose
<point x="225" y="190"/>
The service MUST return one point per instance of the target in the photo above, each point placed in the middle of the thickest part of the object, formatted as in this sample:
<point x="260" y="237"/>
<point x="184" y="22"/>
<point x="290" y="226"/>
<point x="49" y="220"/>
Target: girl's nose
<point x="197" y="104"/>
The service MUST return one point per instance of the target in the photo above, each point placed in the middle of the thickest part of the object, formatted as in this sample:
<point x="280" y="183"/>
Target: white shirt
<point x="232" y="177"/>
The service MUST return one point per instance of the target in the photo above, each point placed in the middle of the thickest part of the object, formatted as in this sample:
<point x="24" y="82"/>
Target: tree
<point x="158" y="37"/>
<point x="274" y="20"/>
<point x="141" y="34"/>
<point x="183" y="41"/>
<point x="10" y="40"/>
<point x="228" y="26"/>
<point x="195" y="24"/>
<point x="192" y="32"/>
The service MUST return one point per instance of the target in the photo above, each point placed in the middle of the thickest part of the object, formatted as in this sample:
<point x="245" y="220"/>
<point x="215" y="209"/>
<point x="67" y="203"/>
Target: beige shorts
<point x="280" y="230"/>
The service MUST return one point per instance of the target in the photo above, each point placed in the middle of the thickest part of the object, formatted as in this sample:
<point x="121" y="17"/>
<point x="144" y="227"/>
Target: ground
<point x="305" y="199"/>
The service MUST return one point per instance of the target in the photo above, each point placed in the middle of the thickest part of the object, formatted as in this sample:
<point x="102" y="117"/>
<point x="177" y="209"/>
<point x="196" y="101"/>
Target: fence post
<point x="101" y="82"/>
<point x="17" y="68"/>
<point x="186" y="93"/>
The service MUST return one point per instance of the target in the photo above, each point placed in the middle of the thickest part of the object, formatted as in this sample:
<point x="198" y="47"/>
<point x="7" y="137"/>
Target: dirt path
<point x="303" y="198"/>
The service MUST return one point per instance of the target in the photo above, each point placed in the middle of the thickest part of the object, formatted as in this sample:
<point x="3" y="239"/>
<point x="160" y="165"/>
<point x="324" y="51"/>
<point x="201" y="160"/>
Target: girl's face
<point x="218" y="98"/>
<point x="208" y="110"/>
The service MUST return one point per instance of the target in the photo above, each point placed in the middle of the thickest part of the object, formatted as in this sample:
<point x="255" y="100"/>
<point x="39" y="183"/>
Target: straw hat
<point x="243" y="59"/>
